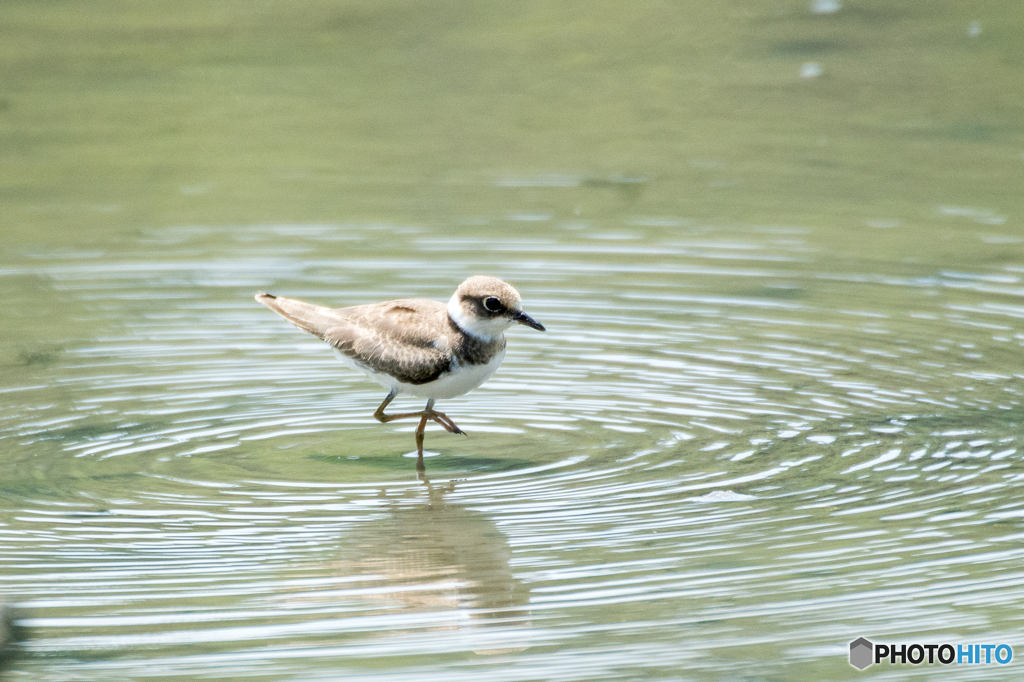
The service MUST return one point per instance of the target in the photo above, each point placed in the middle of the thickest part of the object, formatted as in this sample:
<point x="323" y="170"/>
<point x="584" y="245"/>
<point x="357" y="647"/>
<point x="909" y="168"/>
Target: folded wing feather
<point x="398" y="337"/>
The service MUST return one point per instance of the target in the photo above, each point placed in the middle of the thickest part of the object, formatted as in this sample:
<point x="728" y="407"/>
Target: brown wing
<point x="399" y="338"/>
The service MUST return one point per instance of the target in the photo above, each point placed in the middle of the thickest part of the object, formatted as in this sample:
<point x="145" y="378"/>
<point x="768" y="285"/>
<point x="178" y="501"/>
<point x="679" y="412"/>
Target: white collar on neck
<point x="485" y="330"/>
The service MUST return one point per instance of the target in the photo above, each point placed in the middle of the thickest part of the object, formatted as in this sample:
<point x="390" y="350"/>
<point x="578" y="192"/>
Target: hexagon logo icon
<point x="862" y="653"/>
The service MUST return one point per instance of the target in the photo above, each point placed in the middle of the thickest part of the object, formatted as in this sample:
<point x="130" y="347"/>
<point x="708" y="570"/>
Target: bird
<point x="418" y="347"/>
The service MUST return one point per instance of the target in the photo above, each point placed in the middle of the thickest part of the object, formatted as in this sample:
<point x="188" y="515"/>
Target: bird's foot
<point x="444" y="420"/>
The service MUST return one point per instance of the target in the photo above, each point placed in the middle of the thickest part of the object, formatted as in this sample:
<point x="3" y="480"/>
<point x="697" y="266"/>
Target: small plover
<point x="427" y="349"/>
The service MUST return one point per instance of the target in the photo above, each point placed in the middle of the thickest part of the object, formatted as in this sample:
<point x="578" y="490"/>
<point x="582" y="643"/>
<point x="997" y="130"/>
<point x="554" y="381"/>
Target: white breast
<point x="459" y="380"/>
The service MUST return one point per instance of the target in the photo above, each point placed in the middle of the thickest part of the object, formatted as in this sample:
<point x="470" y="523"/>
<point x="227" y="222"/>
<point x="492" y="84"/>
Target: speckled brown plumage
<point x="412" y="340"/>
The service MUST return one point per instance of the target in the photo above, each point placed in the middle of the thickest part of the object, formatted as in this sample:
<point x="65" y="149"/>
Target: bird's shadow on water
<point x="437" y="555"/>
<point x="434" y="464"/>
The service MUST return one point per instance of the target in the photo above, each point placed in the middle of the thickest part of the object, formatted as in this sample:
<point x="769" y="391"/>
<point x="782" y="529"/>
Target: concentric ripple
<point x="725" y="446"/>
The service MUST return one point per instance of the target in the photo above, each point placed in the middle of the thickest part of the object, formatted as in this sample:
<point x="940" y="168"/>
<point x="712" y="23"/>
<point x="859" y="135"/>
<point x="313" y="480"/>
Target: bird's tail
<point x="315" y="319"/>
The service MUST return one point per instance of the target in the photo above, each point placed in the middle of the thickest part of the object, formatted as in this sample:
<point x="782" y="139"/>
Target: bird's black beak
<point x="523" y="318"/>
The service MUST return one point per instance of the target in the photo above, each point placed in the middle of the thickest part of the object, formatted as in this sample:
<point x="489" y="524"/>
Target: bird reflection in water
<point x="456" y="555"/>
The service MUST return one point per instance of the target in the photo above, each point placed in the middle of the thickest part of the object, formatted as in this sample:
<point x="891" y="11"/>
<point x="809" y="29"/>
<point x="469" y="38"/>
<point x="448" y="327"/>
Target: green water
<point x="780" y="259"/>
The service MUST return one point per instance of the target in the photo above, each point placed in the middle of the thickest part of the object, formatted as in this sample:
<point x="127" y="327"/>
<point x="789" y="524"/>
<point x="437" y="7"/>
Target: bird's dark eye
<point x="493" y="304"/>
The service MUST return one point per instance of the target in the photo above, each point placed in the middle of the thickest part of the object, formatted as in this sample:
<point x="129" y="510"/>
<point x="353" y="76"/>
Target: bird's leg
<point x="419" y="436"/>
<point x="420" y="467"/>
<point x="440" y="417"/>
<point x="385" y="418"/>
<point x="428" y="413"/>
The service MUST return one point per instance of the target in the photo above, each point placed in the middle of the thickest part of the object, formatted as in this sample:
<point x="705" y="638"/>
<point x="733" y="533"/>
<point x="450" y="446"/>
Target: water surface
<point x="778" y="406"/>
